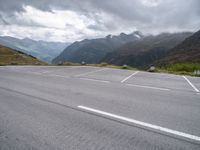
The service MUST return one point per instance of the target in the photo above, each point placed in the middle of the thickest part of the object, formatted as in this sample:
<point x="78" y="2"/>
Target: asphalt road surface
<point x="91" y="108"/>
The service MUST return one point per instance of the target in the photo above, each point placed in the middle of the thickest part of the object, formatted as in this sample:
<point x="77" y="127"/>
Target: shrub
<point x="103" y="64"/>
<point x="124" y="67"/>
<point x="183" y="67"/>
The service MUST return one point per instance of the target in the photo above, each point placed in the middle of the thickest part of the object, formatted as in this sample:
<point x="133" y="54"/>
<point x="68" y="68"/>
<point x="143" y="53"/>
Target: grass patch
<point x="181" y="68"/>
<point x="9" y="56"/>
<point x="69" y="64"/>
<point x="113" y="66"/>
<point x="103" y="64"/>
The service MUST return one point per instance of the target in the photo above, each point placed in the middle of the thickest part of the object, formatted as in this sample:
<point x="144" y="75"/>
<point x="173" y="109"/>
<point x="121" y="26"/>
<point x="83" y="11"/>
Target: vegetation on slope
<point x="181" y="68"/>
<point x="12" y="57"/>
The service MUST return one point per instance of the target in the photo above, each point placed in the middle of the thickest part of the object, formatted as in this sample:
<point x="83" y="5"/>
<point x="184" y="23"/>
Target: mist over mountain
<point x="187" y="51"/>
<point x="92" y="51"/>
<point x="42" y="50"/>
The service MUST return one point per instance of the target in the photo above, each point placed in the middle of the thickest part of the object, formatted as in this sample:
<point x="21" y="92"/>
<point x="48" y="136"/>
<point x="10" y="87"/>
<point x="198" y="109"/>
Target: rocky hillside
<point x="92" y="51"/>
<point x="145" y="51"/>
<point x="187" y="51"/>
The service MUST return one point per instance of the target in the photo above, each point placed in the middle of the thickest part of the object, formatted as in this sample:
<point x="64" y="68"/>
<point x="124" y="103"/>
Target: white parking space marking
<point x="88" y="79"/>
<point x="65" y="68"/>
<point x="129" y="77"/>
<point x="191" y="84"/>
<point x="56" y="75"/>
<point x="143" y="124"/>
<point x="149" y="87"/>
<point x="31" y="72"/>
<point x="42" y="74"/>
<point x="83" y="74"/>
<point x="50" y="71"/>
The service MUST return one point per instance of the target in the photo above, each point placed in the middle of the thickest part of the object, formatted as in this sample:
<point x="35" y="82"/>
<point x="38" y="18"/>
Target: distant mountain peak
<point x="93" y="50"/>
<point x="138" y="34"/>
<point x="26" y="38"/>
<point x="122" y="34"/>
<point x="145" y="50"/>
<point x="109" y="36"/>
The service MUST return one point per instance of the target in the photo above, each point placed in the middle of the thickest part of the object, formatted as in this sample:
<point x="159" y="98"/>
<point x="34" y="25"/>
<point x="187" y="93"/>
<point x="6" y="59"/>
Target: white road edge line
<point x="191" y="84"/>
<point x="91" y="72"/>
<point x="148" y="87"/>
<point x="129" y="76"/>
<point x="88" y="79"/>
<point x="144" y="124"/>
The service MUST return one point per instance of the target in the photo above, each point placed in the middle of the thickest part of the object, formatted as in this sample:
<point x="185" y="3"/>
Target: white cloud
<point x="61" y="25"/>
<point x="151" y="3"/>
<point x="70" y="20"/>
<point x="54" y="19"/>
<point x="58" y="25"/>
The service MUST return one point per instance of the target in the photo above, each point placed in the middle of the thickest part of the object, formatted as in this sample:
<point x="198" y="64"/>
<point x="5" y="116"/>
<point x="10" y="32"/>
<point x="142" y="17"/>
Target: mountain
<point x="186" y="51"/>
<point x="92" y="51"/>
<point x="45" y="51"/>
<point x="145" y="51"/>
<point x="10" y="56"/>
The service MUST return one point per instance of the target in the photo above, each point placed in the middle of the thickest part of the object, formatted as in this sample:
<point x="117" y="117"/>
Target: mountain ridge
<point x="43" y="50"/>
<point x="133" y="49"/>
<point x="145" y="51"/>
<point x="186" y="51"/>
<point x="93" y="50"/>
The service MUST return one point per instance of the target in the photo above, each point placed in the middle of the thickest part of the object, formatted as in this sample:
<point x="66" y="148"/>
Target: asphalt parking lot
<point x="85" y="107"/>
<point x="154" y="80"/>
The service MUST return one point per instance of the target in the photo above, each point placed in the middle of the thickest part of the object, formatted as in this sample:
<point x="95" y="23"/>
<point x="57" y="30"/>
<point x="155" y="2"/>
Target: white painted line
<point x="129" y="77"/>
<point x="45" y="75"/>
<point x="62" y="68"/>
<point x="28" y="72"/>
<point x="49" y="71"/>
<point x="37" y="73"/>
<point x="143" y="124"/>
<point x="88" y="79"/>
<point x="191" y="84"/>
<point x="91" y="72"/>
<point x="42" y="74"/>
<point x="56" y="75"/>
<point x="148" y="87"/>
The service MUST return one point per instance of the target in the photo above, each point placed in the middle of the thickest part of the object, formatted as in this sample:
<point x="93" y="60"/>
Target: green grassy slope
<point x="12" y="57"/>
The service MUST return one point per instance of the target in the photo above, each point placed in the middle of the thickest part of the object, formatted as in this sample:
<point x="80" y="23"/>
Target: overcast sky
<point x="70" y="20"/>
